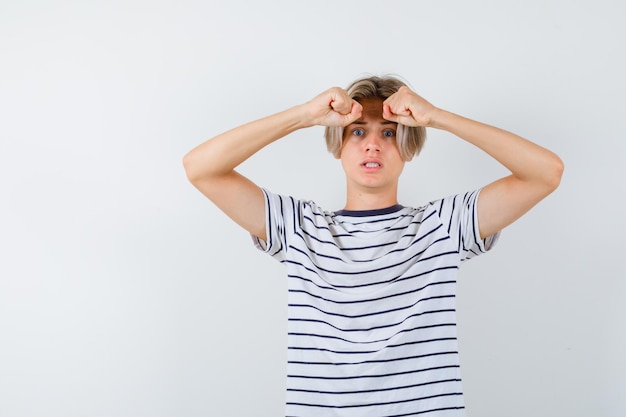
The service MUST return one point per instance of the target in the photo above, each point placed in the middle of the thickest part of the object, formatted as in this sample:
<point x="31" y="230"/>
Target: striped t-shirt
<point x="371" y="305"/>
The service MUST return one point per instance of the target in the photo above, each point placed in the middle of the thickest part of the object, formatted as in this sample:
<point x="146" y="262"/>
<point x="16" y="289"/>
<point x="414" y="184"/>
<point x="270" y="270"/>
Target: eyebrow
<point x="361" y="122"/>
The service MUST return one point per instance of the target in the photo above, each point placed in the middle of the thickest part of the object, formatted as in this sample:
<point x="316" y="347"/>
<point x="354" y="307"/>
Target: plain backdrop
<point x="124" y="292"/>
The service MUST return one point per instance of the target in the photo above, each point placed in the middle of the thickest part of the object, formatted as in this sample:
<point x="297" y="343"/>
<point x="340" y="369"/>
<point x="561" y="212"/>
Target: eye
<point x="389" y="133"/>
<point x="358" y="132"/>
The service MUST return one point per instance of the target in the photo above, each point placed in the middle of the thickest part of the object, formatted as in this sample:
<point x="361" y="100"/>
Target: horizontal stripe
<point x="415" y="413"/>
<point x="368" y="329"/>
<point x="368" y="300"/>
<point x="373" y="313"/>
<point x="370" y="284"/>
<point x="373" y="341"/>
<point x="416" y="342"/>
<point x="375" y="390"/>
<point x="404" y="358"/>
<point x="432" y="410"/>
<point x="379" y="403"/>
<point x="387" y="375"/>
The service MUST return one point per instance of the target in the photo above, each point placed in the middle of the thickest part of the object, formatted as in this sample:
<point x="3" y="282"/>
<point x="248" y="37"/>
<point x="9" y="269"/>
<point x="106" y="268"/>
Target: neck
<point x="371" y="199"/>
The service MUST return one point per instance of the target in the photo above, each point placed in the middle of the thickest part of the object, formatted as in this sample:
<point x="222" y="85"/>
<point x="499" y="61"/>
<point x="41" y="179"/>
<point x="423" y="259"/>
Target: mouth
<point x="372" y="165"/>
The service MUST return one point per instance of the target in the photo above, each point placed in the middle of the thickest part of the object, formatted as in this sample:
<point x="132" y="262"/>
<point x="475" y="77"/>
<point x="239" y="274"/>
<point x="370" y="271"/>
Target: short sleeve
<point x="459" y="214"/>
<point x="279" y="215"/>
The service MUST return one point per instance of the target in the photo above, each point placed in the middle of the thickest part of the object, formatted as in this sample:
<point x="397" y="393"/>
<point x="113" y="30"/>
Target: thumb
<point x="403" y="117"/>
<point x="387" y="114"/>
<point x="355" y="112"/>
<point x="352" y="113"/>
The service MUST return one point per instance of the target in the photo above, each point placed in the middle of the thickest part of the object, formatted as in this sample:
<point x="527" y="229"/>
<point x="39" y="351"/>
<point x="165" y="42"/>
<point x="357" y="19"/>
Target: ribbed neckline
<point x="366" y="213"/>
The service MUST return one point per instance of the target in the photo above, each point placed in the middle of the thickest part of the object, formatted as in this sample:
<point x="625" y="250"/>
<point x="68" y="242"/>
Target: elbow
<point x="554" y="173"/>
<point x="190" y="166"/>
<point x="198" y="170"/>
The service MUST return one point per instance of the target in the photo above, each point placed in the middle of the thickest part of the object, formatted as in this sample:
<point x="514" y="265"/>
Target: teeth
<point x="372" y="164"/>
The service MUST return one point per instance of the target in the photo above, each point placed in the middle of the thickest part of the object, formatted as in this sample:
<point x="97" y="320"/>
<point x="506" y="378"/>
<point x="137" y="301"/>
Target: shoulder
<point x="456" y="202"/>
<point x="282" y="204"/>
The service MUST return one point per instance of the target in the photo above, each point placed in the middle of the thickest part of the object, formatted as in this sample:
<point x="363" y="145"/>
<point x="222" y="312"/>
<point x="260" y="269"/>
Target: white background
<point x="124" y="292"/>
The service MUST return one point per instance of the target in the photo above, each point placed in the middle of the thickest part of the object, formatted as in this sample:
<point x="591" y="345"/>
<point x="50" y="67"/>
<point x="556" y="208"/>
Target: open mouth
<point x="371" y="164"/>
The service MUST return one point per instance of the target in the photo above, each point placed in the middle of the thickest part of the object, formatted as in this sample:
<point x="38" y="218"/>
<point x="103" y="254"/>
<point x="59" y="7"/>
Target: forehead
<point x="372" y="107"/>
<point x="372" y="111"/>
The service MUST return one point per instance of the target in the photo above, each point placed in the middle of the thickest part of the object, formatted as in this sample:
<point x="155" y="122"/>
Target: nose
<point x="373" y="143"/>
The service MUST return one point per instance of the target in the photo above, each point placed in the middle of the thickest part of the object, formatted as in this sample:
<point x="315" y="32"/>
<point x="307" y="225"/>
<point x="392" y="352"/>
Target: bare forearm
<point x="535" y="171"/>
<point x="526" y="160"/>
<point x="219" y="156"/>
<point x="223" y="153"/>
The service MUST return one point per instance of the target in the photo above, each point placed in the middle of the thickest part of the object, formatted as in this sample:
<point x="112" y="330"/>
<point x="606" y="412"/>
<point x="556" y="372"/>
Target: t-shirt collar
<point x="367" y="213"/>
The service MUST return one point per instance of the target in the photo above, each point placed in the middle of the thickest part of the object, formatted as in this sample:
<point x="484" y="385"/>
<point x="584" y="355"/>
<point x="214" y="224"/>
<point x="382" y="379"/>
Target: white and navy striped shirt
<point x="372" y="319"/>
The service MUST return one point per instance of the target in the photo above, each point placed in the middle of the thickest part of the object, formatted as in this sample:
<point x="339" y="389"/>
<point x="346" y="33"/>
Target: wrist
<point x="302" y="117"/>
<point x="294" y="118"/>
<point x="440" y="119"/>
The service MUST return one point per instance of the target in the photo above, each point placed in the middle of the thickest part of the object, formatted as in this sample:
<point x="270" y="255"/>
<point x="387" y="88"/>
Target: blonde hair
<point x="409" y="140"/>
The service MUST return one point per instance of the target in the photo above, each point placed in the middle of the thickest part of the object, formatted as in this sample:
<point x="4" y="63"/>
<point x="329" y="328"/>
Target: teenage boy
<point x="372" y="322"/>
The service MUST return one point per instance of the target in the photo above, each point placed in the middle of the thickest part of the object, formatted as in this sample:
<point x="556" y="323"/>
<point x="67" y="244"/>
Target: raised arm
<point x="210" y="167"/>
<point x="535" y="171"/>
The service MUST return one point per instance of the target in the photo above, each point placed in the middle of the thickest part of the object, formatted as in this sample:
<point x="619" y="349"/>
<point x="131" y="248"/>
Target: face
<point x="369" y="153"/>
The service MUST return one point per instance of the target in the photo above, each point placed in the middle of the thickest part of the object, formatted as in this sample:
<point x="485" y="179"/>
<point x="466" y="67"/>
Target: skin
<point x="535" y="171"/>
<point x="371" y="159"/>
